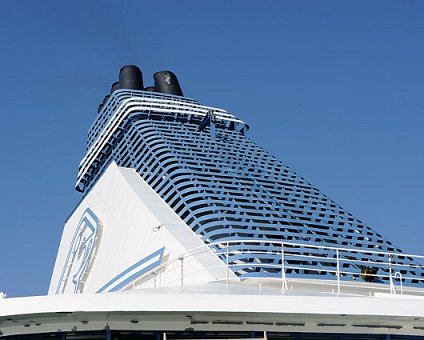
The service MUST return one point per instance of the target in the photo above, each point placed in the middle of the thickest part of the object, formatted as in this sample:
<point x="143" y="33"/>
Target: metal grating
<point x="225" y="187"/>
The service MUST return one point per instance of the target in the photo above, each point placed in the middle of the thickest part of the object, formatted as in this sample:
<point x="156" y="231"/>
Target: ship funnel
<point x="167" y="82"/>
<point x="103" y="103"/>
<point x="105" y="99"/>
<point x="150" y="89"/>
<point x="130" y="77"/>
<point x="115" y="86"/>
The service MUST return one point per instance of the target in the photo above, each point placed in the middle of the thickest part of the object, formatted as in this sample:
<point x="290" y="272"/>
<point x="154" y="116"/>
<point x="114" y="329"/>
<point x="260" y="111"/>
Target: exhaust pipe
<point x="130" y="77"/>
<point x="167" y="82"/>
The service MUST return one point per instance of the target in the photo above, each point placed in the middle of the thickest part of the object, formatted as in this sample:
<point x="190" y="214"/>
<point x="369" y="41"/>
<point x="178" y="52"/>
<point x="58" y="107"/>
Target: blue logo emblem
<point x="81" y="253"/>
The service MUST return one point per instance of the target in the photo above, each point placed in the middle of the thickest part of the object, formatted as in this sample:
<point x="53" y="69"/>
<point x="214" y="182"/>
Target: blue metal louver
<point x="225" y="187"/>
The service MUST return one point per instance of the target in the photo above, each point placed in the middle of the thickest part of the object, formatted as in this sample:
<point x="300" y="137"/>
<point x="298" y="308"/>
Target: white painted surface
<point x="231" y="303"/>
<point x="135" y="222"/>
<point x="173" y="308"/>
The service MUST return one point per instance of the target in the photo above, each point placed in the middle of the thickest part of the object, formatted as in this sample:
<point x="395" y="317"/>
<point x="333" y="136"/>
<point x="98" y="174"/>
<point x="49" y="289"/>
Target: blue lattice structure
<point x="225" y="187"/>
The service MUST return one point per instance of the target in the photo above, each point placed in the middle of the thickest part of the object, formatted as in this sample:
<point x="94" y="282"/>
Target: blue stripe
<point x="137" y="274"/>
<point x="134" y="276"/>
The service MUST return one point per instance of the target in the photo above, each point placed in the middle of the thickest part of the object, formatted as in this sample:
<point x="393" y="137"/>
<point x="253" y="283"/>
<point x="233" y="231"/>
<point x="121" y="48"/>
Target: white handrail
<point x="287" y="250"/>
<point x="399" y="274"/>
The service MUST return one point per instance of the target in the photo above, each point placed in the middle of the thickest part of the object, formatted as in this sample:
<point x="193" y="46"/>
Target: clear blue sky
<point x="332" y="88"/>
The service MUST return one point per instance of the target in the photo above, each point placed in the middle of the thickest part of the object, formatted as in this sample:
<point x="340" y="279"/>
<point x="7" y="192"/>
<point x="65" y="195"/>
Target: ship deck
<point x="216" y="306"/>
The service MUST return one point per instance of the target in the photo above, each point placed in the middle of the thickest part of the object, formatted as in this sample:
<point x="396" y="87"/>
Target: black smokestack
<point x="130" y="77"/>
<point x="102" y="104"/>
<point x="150" y="89"/>
<point x="105" y="99"/>
<point x="100" y="108"/>
<point x="115" y="86"/>
<point x="167" y="82"/>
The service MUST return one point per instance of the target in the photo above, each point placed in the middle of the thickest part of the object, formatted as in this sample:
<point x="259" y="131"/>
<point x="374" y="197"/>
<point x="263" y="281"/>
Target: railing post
<point x="227" y="263"/>
<point x="392" y="286"/>
<point x="338" y="271"/>
<point x="400" y="279"/>
<point x="283" y="270"/>
<point x="182" y="271"/>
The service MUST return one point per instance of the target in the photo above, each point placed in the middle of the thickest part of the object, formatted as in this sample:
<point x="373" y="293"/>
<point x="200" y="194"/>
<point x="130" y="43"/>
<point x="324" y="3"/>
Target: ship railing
<point x="291" y="266"/>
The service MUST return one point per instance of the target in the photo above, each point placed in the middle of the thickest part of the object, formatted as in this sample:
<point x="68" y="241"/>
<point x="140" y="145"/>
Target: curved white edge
<point x="155" y="301"/>
<point x="151" y="310"/>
